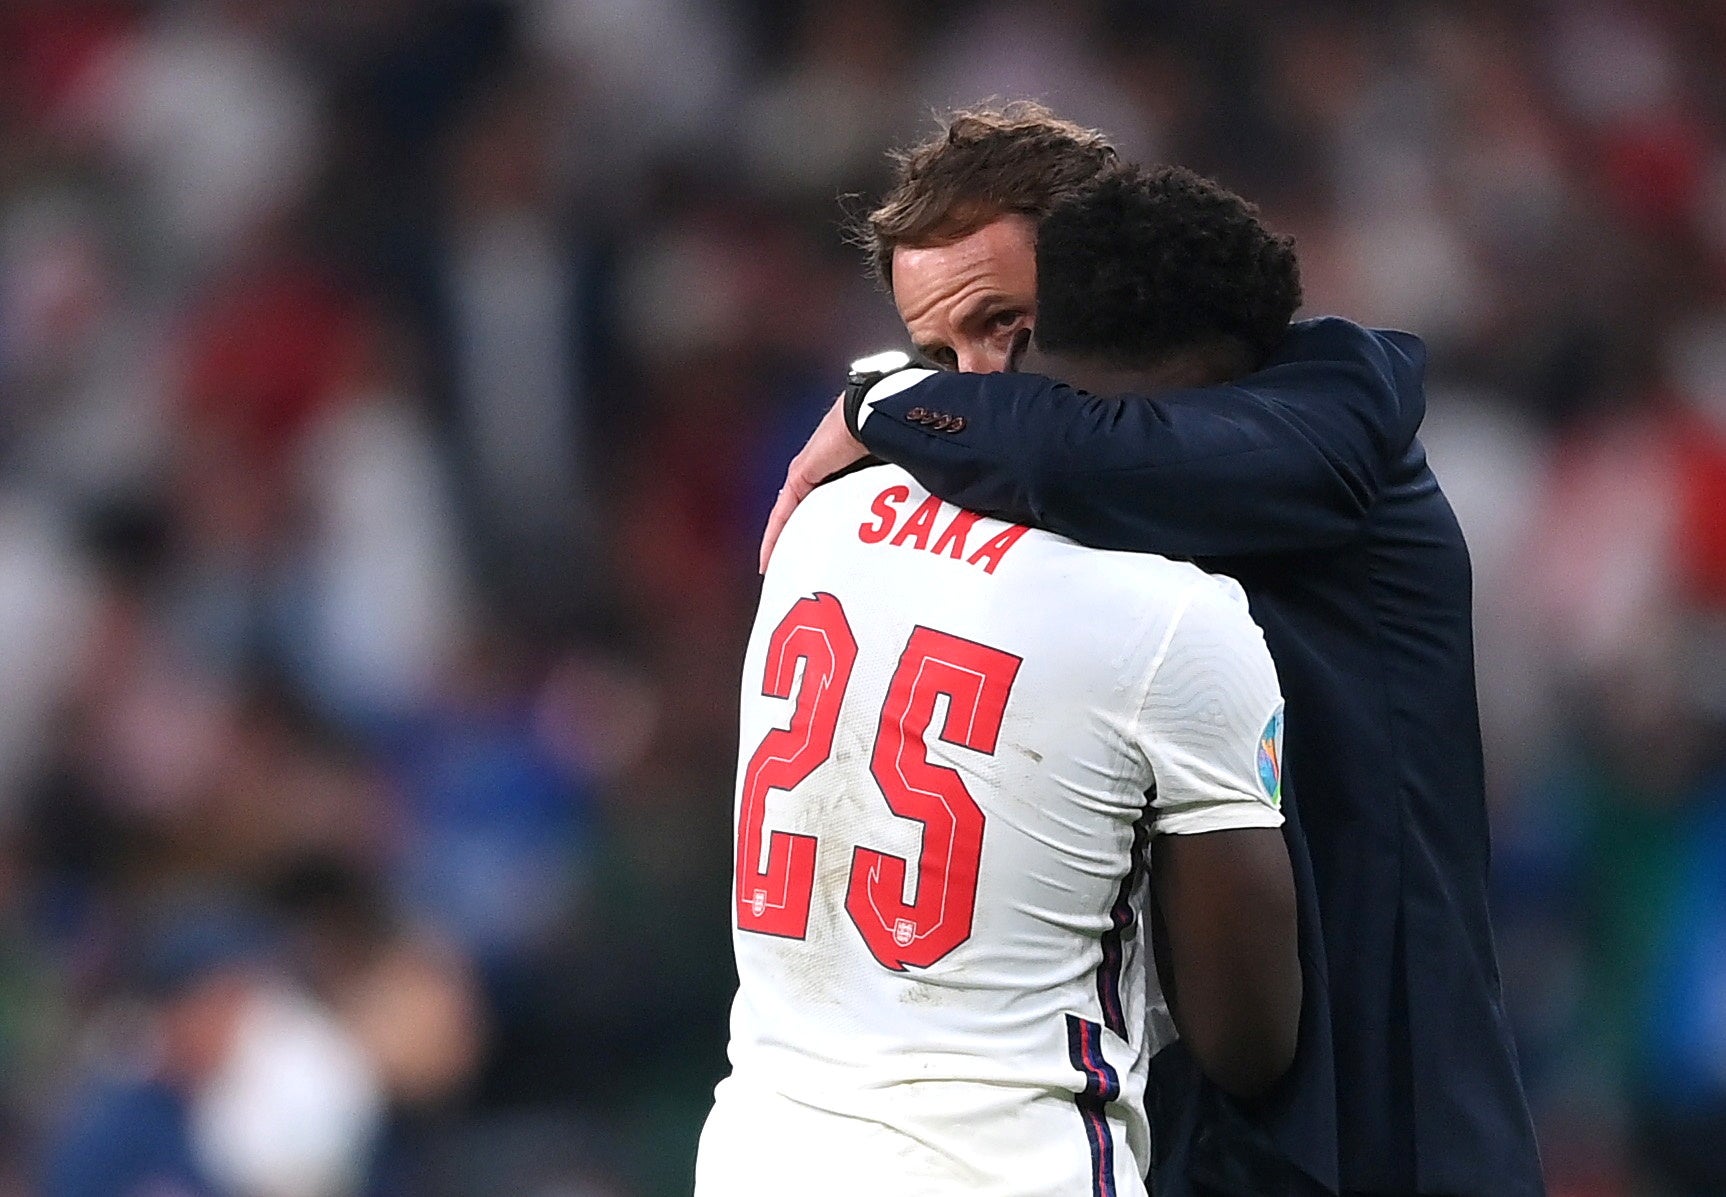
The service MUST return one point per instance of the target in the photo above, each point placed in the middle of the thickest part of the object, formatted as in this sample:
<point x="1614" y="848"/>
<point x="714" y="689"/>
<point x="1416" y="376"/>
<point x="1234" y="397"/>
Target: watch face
<point x="881" y="363"/>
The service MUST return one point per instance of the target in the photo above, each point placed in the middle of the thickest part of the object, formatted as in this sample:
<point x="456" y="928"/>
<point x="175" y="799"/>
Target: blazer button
<point x="915" y="415"/>
<point x="941" y="423"/>
<point x="958" y="424"/>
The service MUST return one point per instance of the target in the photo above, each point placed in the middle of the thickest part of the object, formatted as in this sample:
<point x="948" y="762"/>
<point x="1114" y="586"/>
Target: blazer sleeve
<point x="1286" y="459"/>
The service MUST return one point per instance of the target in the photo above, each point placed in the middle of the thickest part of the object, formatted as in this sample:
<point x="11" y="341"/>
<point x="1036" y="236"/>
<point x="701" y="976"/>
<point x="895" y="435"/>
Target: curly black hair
<point x="1143" y="263"/>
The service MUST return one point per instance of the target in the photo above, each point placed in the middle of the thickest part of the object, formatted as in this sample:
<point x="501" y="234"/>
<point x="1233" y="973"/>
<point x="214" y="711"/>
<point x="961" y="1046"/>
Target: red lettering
<point x="774" y="899"/>
<point x="976" y="681"/>
<point x="882" y="507"/>
<point x="952" y="541"/>
<point x="921" y="523"/>
<point x="901" y="931"/>
<point x="997" y="548"/>
<point x="917" y="530"/>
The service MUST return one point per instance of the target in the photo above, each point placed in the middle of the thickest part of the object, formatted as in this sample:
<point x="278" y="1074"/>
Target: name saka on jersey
<point x="950" y="726"/>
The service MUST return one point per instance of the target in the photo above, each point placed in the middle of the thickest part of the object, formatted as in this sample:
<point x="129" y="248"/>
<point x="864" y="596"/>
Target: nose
<point x="986" y="357"/>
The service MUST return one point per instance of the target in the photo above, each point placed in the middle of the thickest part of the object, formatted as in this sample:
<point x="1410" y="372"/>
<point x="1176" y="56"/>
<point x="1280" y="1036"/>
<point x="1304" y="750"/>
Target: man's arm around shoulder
<point x="1288" y="458"/>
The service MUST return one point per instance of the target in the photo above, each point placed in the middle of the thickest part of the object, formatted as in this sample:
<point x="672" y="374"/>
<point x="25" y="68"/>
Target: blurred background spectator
<point x="390" y="397"/>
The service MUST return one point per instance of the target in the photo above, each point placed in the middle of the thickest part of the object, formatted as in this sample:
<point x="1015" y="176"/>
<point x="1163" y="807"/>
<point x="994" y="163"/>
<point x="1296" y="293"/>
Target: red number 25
<point x="773" y="899"/>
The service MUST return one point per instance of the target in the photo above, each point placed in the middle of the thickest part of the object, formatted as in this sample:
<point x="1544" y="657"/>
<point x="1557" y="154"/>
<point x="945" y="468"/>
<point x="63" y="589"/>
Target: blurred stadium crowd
<point x="391" y="394"/>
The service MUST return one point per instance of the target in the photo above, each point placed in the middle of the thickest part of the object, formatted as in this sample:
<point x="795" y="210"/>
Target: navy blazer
<point x="1306" y="482"/>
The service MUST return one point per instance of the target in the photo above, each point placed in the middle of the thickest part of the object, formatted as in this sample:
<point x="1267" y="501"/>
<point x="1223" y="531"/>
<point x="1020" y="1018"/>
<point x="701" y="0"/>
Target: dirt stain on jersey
<point x="921" y="993"/>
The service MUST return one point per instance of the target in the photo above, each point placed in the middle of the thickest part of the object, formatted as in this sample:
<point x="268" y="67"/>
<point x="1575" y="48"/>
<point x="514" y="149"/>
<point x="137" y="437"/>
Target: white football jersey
<point x="950" y="726"/>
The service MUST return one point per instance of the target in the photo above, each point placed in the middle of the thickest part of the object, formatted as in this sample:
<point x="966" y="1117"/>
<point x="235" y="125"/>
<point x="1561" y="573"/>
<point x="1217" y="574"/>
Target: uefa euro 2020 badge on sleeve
<point x="1271" y="758"/>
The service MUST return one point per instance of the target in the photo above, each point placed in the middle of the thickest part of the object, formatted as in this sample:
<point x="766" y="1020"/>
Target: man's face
<point x="964" y="303"/>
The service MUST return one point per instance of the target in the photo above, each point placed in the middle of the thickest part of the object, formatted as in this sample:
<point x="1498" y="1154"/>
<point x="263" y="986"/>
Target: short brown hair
<point x="983" y="163"/>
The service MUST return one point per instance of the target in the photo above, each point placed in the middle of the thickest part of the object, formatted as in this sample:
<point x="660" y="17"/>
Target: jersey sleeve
<point x="1210" y="724"/>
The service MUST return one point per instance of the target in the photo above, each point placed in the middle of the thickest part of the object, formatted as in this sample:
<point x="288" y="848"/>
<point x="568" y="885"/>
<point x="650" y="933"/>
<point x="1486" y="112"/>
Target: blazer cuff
<point x="899" y="380"/>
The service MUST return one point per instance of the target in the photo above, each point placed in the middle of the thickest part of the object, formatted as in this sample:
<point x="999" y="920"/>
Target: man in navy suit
<point x="1303" y="479"/>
